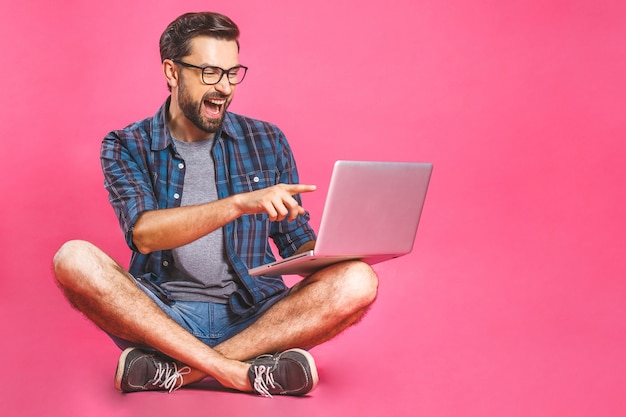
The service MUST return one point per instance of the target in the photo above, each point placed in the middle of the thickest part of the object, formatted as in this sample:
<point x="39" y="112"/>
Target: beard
<point x="194" y="110"/>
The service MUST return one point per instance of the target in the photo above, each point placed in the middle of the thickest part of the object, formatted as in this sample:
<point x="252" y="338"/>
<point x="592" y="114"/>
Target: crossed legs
<point x="317" y="309"/>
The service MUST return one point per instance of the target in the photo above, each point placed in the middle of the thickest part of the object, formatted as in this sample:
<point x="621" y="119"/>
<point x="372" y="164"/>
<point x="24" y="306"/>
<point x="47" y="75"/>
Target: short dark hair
<point x="175" y="40"/>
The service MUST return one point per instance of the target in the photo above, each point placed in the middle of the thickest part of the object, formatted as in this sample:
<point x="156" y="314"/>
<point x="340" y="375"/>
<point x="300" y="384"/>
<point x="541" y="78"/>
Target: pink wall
<point x="513" y="302"/>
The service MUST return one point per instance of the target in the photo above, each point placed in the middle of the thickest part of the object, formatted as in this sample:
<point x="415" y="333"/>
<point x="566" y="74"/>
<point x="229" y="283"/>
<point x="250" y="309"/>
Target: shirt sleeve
<point x="289" y="236"/>
<point x="127" y="180"/>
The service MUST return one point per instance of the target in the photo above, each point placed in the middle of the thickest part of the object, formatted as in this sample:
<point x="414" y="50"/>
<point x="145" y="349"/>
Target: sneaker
<point x="138" y="370"/>
<point x="292" y="372"/>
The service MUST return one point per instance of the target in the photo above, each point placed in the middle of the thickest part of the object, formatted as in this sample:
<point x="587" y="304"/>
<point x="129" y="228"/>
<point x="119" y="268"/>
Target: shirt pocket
<point x="253" y="181"/>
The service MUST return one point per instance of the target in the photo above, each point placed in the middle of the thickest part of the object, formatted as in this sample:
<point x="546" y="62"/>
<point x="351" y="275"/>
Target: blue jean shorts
<point x="212" y="323"/>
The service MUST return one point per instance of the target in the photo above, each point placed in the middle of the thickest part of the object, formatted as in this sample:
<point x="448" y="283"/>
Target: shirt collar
<point x="161" y="136"/>
<point x="228" y="126"/>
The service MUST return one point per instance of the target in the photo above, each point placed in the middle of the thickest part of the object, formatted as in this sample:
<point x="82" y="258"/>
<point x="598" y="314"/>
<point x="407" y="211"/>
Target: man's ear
<point x="171" y="73"/>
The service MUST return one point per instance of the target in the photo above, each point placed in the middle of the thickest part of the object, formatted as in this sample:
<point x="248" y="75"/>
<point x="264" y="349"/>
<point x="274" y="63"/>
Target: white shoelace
<point x="169" y="376"/>
<point x="263" y="380"/>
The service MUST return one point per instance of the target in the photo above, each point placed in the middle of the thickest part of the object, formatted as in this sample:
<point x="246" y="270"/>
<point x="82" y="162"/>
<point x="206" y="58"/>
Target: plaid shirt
<point x="143" y="171"/>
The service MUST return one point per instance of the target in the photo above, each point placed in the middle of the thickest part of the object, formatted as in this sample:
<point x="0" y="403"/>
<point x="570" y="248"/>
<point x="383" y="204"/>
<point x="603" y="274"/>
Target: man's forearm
<point x="171" y="228"/>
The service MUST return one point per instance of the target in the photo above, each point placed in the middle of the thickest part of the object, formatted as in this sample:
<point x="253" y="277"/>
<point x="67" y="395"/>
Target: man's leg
<point x="97" y="286"/>
<point x="317" y="309"/>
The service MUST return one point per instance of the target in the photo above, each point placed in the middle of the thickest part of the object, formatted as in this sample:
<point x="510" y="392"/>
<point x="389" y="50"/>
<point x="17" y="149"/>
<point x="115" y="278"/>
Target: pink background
<point x="513" y="301"/>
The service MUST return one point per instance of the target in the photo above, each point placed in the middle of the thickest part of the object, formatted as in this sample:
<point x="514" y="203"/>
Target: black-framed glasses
<point x="213" y="75"/>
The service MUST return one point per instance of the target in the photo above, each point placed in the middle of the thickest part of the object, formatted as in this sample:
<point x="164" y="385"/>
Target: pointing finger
<point x="299" y="188"/>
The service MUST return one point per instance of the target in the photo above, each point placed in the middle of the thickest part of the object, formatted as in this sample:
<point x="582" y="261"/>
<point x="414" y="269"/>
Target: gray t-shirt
<point x="200" y="270"/>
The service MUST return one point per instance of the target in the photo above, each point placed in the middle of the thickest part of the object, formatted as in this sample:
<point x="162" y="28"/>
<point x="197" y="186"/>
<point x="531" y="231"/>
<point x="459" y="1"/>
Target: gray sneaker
<point x="138" y="370"/>
<point x="291" y="372"/>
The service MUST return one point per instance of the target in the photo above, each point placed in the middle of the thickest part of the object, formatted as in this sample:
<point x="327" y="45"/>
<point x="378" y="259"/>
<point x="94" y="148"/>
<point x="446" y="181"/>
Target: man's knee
<point x="70" y="260"/>
<point x="359" y="283"/>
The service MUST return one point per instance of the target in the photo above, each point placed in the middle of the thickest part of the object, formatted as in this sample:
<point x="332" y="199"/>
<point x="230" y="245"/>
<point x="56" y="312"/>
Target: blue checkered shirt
<point x="143" y="171"/>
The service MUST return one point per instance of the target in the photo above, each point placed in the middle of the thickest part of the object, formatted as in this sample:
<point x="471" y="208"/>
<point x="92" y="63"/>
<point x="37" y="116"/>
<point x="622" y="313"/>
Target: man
<point x="198" y="192"/>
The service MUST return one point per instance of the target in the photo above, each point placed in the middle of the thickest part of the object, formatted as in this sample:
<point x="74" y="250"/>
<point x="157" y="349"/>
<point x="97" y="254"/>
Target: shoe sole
<point x="121" y="365"/>
<point x="312" y="367"/>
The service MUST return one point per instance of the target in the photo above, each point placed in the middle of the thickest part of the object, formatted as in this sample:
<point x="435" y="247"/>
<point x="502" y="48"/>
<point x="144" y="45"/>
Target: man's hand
<point x="277" y="201"/>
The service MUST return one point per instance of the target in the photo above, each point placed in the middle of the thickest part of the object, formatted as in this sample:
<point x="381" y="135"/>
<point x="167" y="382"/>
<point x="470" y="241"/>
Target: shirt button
<point x="181" y="165"/>
<point x="176" y="196"/>
<point x="256" y="179"/>
<point x="165" y="263"/>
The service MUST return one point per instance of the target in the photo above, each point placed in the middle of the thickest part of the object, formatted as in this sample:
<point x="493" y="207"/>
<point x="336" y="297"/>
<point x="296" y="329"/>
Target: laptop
<point x="371" y="213"/>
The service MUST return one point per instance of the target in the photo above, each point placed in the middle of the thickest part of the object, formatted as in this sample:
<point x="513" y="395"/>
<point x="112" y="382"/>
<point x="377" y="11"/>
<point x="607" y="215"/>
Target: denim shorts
<point x="212" y="323"/>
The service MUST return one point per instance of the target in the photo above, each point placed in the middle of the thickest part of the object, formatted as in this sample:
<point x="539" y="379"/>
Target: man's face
<point x="205" y="105"/>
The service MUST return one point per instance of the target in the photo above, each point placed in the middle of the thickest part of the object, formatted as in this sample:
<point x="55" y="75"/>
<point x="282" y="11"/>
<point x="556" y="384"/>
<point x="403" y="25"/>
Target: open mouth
<point x="214" y="106"/>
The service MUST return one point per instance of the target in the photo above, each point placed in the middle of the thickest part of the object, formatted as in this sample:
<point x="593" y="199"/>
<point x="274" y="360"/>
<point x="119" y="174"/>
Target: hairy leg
<point x="317" y="309"/>
<point x="97" y="286"/>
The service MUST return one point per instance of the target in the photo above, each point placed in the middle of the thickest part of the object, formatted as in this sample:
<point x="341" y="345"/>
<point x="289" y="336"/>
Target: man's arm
<point x="170" y="228"/>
